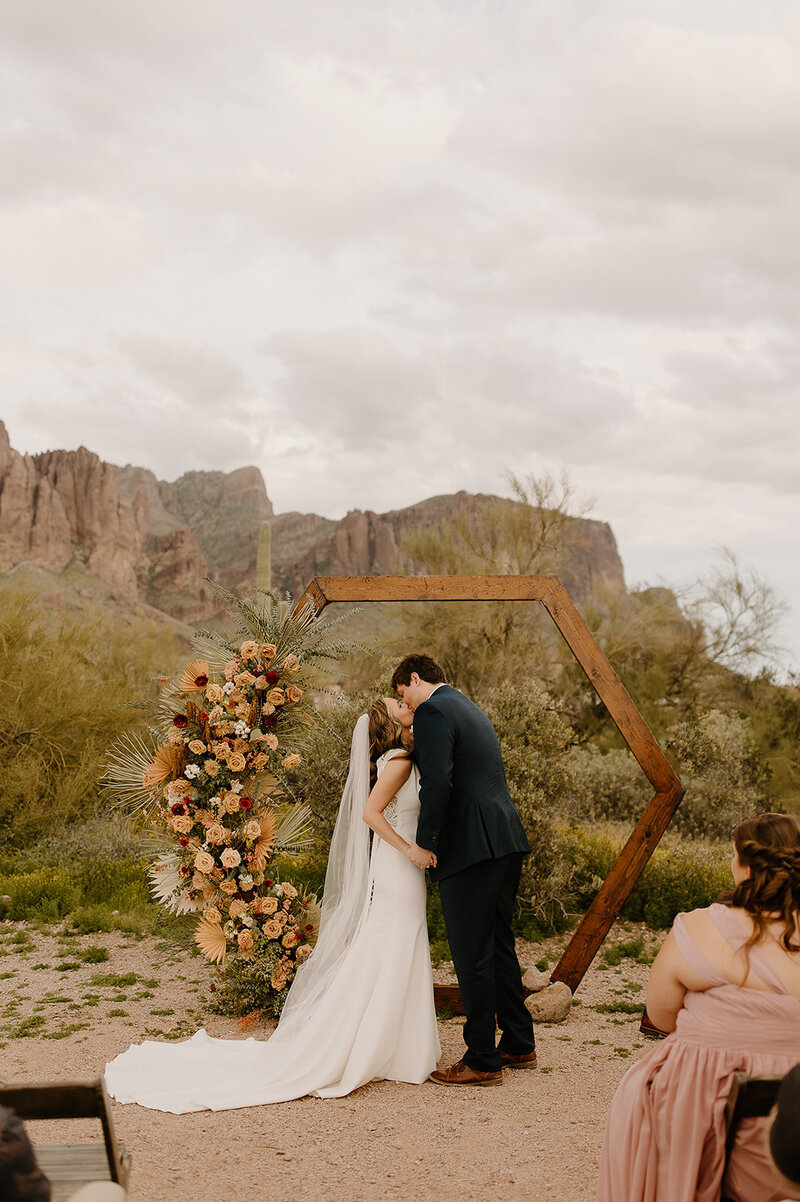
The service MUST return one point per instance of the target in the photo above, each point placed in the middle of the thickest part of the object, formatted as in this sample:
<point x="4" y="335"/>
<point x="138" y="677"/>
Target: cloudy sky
<point x="391" y="248"/>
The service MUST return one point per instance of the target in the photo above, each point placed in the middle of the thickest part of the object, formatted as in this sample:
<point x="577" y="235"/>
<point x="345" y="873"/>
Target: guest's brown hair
<point x="769" y="845"/>
<point x="425" y="667"/>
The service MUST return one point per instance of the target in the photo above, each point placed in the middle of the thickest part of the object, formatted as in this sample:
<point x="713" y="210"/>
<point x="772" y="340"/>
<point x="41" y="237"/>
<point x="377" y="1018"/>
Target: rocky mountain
<point x="149" y="543"/>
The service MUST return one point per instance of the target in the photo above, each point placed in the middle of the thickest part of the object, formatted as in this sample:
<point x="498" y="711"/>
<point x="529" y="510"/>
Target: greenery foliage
<point x="70" y="682"/>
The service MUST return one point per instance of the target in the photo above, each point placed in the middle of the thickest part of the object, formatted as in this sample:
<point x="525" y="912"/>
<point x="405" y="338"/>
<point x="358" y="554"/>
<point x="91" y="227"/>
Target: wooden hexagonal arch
<point x="548" y="590"/>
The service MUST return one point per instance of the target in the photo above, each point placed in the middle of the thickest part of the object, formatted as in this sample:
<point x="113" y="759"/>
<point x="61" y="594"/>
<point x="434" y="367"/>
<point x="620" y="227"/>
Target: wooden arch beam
<point x="548" y="590"/>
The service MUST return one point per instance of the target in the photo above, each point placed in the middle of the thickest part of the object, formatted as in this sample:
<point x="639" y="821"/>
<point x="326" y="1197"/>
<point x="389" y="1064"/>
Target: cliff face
<point x="154" y="542"/>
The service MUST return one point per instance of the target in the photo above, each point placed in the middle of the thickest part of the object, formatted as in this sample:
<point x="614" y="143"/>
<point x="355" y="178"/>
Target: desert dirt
<point x="538" y="1136"/>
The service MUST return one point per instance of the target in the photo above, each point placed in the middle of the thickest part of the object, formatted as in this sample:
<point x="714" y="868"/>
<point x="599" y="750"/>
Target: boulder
<point x="535" y="980"/>
<point x="550" y="1005"/>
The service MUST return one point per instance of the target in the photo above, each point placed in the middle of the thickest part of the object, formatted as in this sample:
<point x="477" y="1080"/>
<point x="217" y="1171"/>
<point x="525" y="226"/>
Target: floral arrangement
<point x="228" y="728"/>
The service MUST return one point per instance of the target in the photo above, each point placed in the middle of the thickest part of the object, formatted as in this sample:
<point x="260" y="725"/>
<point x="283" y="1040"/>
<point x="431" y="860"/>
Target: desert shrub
<point x="69" y="681"/>
<point x="723" y="772"/>
<point x="535" y="739"/>
<point x="682" y="875"/>
<point x="607" y="786"/>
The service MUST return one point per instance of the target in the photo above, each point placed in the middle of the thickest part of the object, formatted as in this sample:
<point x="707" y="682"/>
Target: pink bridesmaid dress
<point x="665" y="1136"/>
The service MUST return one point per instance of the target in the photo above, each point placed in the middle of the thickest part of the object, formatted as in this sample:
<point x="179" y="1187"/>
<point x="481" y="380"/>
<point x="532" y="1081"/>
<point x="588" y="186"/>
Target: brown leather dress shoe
<point x="462" y="1074"/>
<point x="509" y="1060"/>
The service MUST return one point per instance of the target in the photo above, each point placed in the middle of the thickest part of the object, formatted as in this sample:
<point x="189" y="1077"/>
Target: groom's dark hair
<point x="425" y="667"/>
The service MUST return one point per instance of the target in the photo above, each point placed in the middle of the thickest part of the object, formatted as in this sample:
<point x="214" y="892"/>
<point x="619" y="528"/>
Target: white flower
<point x="245" y="880"/>
<point x="229" y="929"/>
<point x="237" y="786"/>
<point x="229" y="687"/>
<point x="247" y="920"/>
<point x="191" y="771"/>
<point x="241" y="729"/>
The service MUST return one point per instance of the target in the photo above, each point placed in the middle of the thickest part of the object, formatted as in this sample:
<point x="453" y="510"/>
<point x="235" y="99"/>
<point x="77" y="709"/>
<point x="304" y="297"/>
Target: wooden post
<point x="549" y="591"/>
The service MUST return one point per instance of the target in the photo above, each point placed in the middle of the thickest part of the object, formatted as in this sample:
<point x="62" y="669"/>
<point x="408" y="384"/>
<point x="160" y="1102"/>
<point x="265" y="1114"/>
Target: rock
<point x="535" y="979"/>
<point x="550" y="1005"/>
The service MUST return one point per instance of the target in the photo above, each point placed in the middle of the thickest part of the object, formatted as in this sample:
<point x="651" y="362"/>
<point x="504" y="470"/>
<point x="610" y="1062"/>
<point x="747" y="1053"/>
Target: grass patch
<point x="67" y="966"/>
<point x="117" y="1013"/>
<point x="113" y="980"/>
<point x="619" y="1007"/>
<point x="28" y="1028"/>
<point x="632" y="949"/>
<point x="94" y="955"/>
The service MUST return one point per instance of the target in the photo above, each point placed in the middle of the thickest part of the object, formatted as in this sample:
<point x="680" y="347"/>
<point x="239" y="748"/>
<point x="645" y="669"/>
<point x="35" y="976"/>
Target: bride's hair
<point x="385" y="732"/>
<point x="769" y="845"/>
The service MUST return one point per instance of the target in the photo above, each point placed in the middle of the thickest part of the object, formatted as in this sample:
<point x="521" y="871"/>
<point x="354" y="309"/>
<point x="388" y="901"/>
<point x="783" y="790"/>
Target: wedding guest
<point x="784" y="1133"/>
<point x="726" y="985"/>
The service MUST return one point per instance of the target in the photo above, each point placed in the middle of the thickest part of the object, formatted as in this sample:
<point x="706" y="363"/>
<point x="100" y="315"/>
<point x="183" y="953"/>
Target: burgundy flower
<point x="184" y="871"/>
<point x="181" y="721"/>
<point x="203" y="714"/>
<point x="271" y="720"/>
<point x="178" y="808"/>
<point x="245" y="803"/>
<point x="201" y="681"/>
<point x="184" y="842"/>
<point x="309" y="927"/>
<point x="270" y="884"/>
<point x="273" y="677"/>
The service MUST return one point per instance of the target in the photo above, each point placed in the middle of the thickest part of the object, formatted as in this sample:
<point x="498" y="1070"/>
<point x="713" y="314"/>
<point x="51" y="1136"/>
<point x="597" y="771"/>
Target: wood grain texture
<point x="549" y="591"/>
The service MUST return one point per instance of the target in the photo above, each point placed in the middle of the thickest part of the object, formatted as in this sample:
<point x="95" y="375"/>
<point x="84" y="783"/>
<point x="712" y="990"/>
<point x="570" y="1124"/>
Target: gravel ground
<point x="62" y="1016"/>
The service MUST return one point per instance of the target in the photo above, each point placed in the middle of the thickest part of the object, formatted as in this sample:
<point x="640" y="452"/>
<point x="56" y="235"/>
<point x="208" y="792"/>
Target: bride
<point x="361" y="1007"/>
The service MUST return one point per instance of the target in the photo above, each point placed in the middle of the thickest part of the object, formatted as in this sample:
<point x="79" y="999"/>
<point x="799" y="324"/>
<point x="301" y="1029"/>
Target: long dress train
<point x="376" y="1020"/>
<point x="665" y="1137"/>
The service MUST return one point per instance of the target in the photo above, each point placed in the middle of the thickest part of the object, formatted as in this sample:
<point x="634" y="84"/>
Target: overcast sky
<point x="391" y="248"/>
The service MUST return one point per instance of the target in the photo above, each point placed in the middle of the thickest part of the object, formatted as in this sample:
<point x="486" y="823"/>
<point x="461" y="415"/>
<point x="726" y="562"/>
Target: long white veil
<point x="343" y="901"/>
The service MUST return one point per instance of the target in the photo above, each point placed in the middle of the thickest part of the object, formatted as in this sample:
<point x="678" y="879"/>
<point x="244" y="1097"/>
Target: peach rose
<point x="272" y="929"/>
<point x="249" y="649"/>
<point x="261" y="761"/>
<point x="246" y="940"/>
<point x="244" y="680"/>
<point x="260" y="682"/>
<point x="252" y="829"/>
<point x="231" y="668"/>
<point x="271" y="741"/>
<point x="231" y="803"/>
<point x="212" y="914"/>
<point x="216" y="833"/>
<point x="214" y="694"/>
<point x="294" y="693"/>
<point x="278" y="981"/>
<point x="288" y="890"/>
<point x="229" y="887"/>
<point x="269" y="905"/>
<point x="267" y="651"/>
<point x="292" y="761"/>
<point x="203" y="862"/>
<point x="291" y="663"/>
<point x="182" y="823"/>
<point x="197" y="746"/>
<point x="303" y="953"/>
<point x="211" y="768"/>
<point x="236" y="907"/>
<point x="237" y="762"/>
<point x="291" y="939"/>
<point x="230" y="858"/>
<point x="276" y="696"/>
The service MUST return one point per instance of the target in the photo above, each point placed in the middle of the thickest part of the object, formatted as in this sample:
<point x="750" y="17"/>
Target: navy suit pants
<point x="478" y="904"/>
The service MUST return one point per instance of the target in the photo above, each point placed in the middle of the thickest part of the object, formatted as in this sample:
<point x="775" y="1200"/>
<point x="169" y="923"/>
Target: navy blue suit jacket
<point x="466" y="812"/>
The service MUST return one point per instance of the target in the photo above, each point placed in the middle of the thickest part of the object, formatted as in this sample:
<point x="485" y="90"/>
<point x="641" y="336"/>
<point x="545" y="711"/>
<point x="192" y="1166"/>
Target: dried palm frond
<point x="210" y="938"/>
<point x="266" y="840"/>
<point x="168" y="886"/>
<point x="293" y="831"/>
<point x="128" y="759"/>
<point x="194" y="677"/>
<point x="167" y="764"/>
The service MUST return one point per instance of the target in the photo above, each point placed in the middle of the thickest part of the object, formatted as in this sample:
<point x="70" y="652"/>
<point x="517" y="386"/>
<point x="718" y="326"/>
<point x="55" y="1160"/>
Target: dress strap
<point x="693" y="956"/>
<point x="730" y="927"/>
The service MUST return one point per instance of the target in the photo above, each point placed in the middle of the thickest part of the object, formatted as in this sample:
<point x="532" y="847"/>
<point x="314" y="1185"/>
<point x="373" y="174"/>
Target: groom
<point x="469" y="822"/>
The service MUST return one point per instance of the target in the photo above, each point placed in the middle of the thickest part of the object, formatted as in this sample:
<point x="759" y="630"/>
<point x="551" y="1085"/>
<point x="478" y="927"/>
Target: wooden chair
<point x="749" y="1098"/>
<point x="70" y="1166"/>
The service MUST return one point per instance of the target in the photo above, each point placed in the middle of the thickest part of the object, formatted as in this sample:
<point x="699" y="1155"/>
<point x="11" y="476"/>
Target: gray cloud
<point x="459" y="238"/>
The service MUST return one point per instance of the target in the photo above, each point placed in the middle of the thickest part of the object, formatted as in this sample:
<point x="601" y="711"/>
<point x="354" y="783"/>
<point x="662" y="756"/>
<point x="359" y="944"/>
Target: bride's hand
<point x="421" y="856"/>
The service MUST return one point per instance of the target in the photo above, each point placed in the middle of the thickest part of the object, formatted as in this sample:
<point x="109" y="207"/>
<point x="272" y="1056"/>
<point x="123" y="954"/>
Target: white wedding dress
<point x="374" y="1019"/>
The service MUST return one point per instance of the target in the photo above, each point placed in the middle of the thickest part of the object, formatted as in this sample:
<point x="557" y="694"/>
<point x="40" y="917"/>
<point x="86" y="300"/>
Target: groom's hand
<point x="421" y="856"/>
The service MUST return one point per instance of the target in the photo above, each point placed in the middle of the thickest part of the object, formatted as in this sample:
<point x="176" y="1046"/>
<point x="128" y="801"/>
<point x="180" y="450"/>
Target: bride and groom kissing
<point x="361" y="1007"/>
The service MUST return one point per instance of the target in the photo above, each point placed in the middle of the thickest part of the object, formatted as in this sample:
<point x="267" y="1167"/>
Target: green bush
<point x="608" y="786"/>
<point x="69" y="681"/>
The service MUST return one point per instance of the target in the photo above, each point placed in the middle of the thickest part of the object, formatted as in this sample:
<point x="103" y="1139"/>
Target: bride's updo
<point x="385" y="732"/>
<point x="769" y="845"/>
